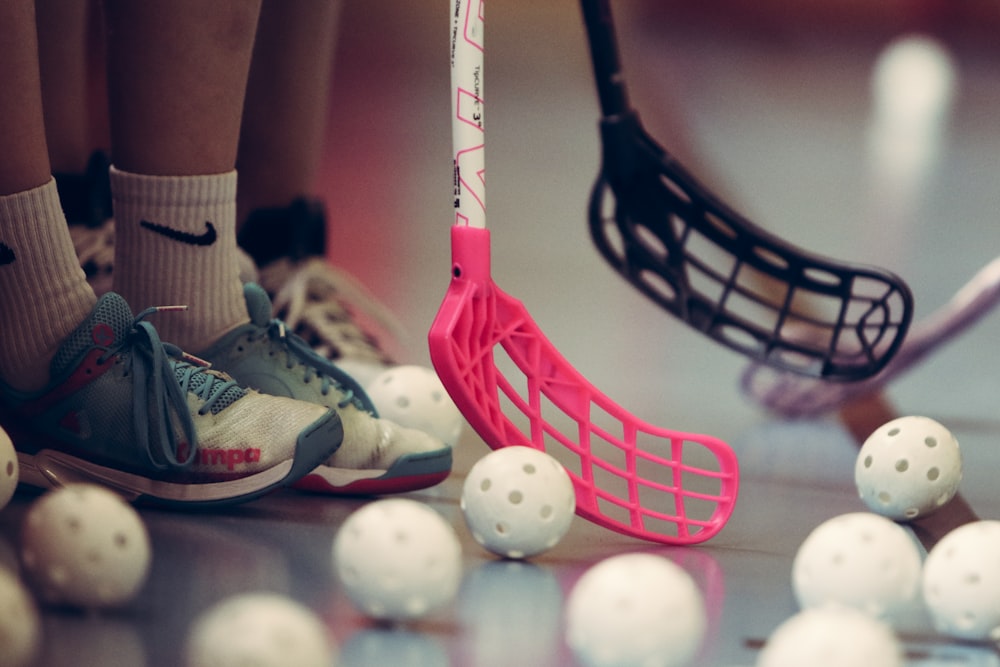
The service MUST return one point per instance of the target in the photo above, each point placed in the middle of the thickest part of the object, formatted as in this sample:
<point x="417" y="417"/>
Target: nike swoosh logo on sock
<point x="7" y="255"/>
<point x="206" y="238"/>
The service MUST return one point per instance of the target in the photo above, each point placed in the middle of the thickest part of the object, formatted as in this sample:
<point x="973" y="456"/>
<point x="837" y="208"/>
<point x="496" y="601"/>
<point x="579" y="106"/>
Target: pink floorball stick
<point x="499" y="368"/>
<point x="797" y="396"/>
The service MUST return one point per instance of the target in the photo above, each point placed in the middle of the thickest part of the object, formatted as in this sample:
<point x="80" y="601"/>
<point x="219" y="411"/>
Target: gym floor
<point x="772" y="109"/>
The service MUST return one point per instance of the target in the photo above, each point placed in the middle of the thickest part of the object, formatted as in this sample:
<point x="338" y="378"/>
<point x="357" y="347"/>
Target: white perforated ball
<point x="83" y="545"/>
<point x="20" y="627"/>
<point x="413" y="396"/>
<point x="860" y="560"/>
<point x="832" y="636"/>
<point x="909" y="467"/>
<point x="259" y="629"/>
<point x="9" y="470"/>
<point x="961" y="582"/>
<point x="518" y="502"/>
<point x="635" y="609"/>
<point x="397" y="559"/>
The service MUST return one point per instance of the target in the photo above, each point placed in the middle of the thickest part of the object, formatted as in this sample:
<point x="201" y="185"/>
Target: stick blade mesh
<point x="748" y="289"/>
<point x="515" y="388"/>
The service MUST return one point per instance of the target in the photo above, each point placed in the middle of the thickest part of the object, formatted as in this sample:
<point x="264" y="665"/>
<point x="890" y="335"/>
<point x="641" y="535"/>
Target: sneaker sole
<point x="49" y="469"/>
<point x="411" y="472"/>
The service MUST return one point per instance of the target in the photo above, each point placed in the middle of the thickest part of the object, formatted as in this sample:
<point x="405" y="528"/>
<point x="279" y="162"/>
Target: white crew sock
<point x="175" y="244"/>
<point x="44" y="293"/>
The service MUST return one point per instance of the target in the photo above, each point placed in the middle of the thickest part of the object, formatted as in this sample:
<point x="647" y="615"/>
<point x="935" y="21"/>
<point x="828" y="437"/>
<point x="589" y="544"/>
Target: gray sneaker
<point x="377" y="456"/>
<point x="134" y="414"/>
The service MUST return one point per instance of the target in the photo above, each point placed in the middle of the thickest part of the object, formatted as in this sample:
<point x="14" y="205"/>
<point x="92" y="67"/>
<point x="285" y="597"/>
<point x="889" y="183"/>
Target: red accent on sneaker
<point x="102" y="334"/>
<point x="71" y="422"/>
<point x="89" y="370"/>
<point x="230" y="458"/>
<point x="372" y="486"/>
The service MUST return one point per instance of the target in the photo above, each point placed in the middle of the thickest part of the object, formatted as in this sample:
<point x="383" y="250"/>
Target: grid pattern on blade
<point x="743" y="287"/>
<point x="515" y="388"/>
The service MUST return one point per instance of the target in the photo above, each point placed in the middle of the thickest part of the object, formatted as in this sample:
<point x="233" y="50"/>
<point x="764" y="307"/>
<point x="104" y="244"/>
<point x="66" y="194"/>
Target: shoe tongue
<point x="258" y="304"/>
<point x="108" y="323"/>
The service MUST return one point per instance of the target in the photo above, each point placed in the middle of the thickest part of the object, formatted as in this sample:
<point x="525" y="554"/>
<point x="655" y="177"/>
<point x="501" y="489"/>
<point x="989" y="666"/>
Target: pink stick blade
<point x="514" y="388"/>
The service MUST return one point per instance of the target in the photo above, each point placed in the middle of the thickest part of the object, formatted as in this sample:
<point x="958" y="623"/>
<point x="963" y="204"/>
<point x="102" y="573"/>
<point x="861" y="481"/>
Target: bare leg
<point x="70" y="45"/>
<point x="43" y="294"/>
<point x="285" y="115"/>
<point x="177" y="72"/>
<point x="25" y="162"/>
<point x="62" y="40"/>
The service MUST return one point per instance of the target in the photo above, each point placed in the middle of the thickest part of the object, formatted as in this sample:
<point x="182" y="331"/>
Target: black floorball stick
<point x="742" y="286"/>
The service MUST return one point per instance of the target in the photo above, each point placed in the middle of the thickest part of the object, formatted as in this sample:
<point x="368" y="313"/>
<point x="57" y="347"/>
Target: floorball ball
<point x="638" y="610"/>
<point x="260" y="629"/>
<point x="20" y="626"/>
<point x="9" y="470"/>
<point x="909" y="467"/>
<point x="82" y="545"/>
<point x="518" y="502"/>
<point x="832" y="636"/>
<point x="413" y="396"/>
<point x="961" y="582"/>
<point x="397" y="559"/>
<point x="861" y="560"/>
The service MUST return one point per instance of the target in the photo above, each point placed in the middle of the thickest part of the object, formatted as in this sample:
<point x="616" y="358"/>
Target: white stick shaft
<point x="467" y="112"/>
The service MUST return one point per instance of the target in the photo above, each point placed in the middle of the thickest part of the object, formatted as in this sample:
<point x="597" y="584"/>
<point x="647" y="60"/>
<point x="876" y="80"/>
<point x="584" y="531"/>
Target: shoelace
<point x="298" y="353"/>
<point x="156" y="386"/>
<point x="311" y="299"/>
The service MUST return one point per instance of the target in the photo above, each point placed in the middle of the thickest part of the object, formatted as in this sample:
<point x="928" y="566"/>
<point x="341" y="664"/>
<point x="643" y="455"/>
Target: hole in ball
<point x="403" y="402"/>
<point x="515" y="497"/>
<point x="485" y="485"/>
<point x="500" y="528"/>
<point x="529" y="469"/>
<point x="868" y="461"/>
<point x="933" y="474"/>
<point x="885" y="497"/>
<point x="902" y="465"/>
<point x="930" y="441"/>
<point x="893" y="432"/>
<point x="967" y="620"/>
